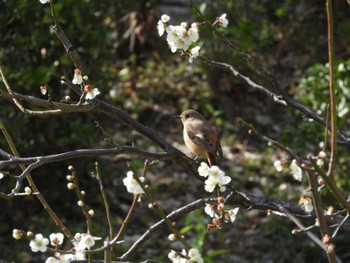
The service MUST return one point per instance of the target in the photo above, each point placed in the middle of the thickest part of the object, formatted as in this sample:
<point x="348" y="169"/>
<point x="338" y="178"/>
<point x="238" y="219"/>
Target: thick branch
<point x="57" y="107"/>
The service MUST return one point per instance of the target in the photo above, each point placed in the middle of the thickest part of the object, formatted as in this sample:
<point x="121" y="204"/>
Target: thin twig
<point x="302" y="227"/>
<point x="161" y="213"/>
<point x="339" y="226"/>
<point x="105" y="200"/>
<point x="331" y="185"/>
<point x="173" y="216"/>
<point x="35" y="189"/>
<point x="332" y="99"/>
<point x="321" y="218"/>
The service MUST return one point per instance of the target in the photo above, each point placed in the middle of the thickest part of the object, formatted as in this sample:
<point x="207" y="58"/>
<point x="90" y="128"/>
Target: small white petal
<point x="223" y="20"/>
<point x="165" y="18"/>
<point x="232" y="213"/>
<point x="296" y="170"/>
<point x="203" y="169"/>
<point x="278" y="165"/>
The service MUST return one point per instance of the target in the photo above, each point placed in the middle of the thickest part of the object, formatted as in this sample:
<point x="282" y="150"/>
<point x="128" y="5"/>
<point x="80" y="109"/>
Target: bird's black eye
<point x="187" y="116"/>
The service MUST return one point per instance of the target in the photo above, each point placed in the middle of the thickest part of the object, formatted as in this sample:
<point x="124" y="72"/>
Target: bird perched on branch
<point x="200" y="138"/>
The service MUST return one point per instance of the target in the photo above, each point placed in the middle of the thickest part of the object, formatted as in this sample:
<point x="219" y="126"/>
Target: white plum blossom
<point x="180" y="37"/>
<point x="210" y="185"/>
<point x="210" y="210"/>
<point x="216" y="177"/>
<point x="174" y="256"/>
<point x="39" y="243"/>
<point x="176" y="38"/>
<point x="222" y="20"/>
<point x="203" y="169"/>
<point x="131" y="184"/>
<point x="165" y="18"/>
<point x="56" y="239"/>
<point x="1" y="175"/>
<point x="162" y="24"/>
<point x="195" y="256"/>
<point x="44" y="1"/>
<point x="85" y="241"/>
<point x="231" y="214"/>
<point x="90" y="92"/>
<point x="296" y="170"/>
<point x="194" y="52"/>
<point x="78" y="78"/>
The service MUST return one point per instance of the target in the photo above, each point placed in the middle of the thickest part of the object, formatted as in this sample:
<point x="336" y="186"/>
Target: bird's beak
<point x="177" y="116"/>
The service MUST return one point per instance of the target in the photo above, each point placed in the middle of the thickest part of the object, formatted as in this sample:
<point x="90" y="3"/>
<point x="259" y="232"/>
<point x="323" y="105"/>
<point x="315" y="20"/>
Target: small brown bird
<point x="200" y="138"/>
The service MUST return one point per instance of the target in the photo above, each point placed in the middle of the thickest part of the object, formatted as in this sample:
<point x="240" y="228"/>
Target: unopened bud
<point x="70" y="177"/>
<point x="319" y="162"/>
<point x="330" y="210"/>
<point x="43" y="90"/>
<point x="70" y="186"/>
<point x="221" y="199"/>
<point x="30" y="234"/>
<point x="91" y="212"/>
<point x="87" y="88"/>
<point x="295" y="231"/>
<point x="216" y="221"/>
<point x="28" y="190"/>
<point x="322" y="154"/>
<point x="326" y="239"/>
<point x="320" y="181"/>
<point x="172" y="237"/>
<point x="17" y="234"/>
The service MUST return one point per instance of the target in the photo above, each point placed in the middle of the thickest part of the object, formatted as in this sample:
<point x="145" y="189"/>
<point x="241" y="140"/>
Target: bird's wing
<point x="203" y="141"/>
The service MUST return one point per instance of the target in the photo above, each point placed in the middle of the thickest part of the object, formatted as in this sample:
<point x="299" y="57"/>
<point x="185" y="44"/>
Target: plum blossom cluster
<point x="295" y="169"/>
<point x="219" y="213"/>
<point x="39" y="243"/>
<point x="183" y="37"/>
<point x="215" y="177"/>
<point x="192" y="256"/>
<point x="78" y="79"/>
<point x="180" y="37"/>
